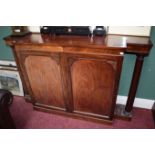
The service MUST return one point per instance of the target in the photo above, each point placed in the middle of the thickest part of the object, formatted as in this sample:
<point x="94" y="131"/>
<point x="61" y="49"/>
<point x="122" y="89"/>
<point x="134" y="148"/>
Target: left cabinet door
<point x="42" y="75"/>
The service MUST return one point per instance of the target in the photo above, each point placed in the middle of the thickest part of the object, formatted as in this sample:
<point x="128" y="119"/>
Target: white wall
<point x="130" y="30"/>
<point x="34" y="28"/>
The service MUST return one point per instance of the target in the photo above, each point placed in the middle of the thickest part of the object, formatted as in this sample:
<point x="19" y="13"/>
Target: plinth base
<point x="120" y="113"/>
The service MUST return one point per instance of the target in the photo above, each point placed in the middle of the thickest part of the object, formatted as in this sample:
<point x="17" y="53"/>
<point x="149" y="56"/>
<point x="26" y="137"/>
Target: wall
<point x="5" y="51"/>
<point x="146" y="87"/>
<point x="130" y="30"/>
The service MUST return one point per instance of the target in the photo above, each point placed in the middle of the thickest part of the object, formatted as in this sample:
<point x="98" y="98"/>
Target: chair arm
<point x="6" y="97"/>
<point x="6" y="121"/>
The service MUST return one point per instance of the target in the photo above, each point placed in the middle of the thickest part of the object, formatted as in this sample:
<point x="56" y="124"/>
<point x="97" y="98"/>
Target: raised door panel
<point x="45" y="80"/>
<point x="94" y="86"/>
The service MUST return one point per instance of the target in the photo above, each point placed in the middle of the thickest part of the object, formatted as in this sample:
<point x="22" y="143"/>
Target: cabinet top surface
<point x="142" y="44"/>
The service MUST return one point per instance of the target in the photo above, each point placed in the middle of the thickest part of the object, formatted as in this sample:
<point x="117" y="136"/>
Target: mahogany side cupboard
<point x="77" y="75"/>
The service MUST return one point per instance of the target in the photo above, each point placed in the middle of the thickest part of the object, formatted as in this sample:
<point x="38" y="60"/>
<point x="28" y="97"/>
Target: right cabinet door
<point x="94" y="83"/>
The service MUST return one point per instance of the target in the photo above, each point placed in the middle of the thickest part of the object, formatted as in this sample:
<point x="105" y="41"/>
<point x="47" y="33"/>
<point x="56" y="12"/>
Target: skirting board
<point x="7" y="63"/>
<point x="139" y="102"/>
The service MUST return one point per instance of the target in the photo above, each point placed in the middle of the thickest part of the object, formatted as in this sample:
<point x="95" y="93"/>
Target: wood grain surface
<point x="45" y="80"/>
<point x="93" y="84"/>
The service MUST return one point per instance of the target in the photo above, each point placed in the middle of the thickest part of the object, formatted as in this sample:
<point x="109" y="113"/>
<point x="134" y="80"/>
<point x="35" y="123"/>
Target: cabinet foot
<point x="120" y="113"/>
<point x="73" y="115"/>
<point x="28" y="98"/>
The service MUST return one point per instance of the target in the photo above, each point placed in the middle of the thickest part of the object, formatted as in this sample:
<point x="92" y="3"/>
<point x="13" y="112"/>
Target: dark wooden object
<point x="6" y="121"/>
<point x="77" y="75"/>
<point x="134" y="83"/>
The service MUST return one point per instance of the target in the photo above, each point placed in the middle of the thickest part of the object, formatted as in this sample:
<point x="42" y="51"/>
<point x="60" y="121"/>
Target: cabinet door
<point x="94" y="84"/>
<point x="43" y="78"/>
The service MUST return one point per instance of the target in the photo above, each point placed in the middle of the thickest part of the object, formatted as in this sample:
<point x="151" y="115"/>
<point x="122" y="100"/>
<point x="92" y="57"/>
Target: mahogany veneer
<point x="77" y="75"/>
